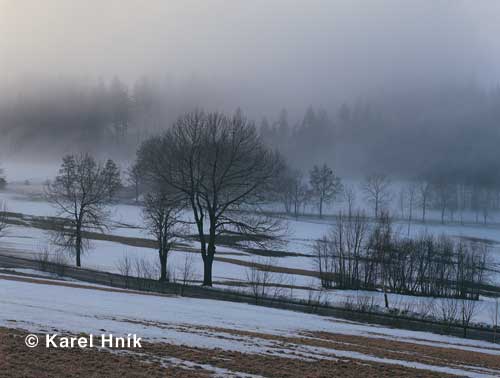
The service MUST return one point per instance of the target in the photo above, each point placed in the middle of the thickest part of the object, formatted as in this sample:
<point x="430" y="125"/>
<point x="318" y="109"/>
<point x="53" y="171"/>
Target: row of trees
<point x="211" y="166"/>
<point x="357" y="256"/>
<point x="413" y="199"/>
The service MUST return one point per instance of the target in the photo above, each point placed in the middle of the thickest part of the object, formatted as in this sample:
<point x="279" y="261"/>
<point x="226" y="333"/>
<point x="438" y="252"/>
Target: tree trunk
<point x="78" y="245"/>
<point x="321" y="207"/>
<point x="163" y="265"/>
<point x="207" y="270"/>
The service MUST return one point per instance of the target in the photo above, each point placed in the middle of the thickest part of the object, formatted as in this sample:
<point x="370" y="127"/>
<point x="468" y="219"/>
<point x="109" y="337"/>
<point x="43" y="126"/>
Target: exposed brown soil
<point x="16" y="360"/>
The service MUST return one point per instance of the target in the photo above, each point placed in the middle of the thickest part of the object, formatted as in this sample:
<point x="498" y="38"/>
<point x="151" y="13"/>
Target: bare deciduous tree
<point x="449" y="310"/>
<point x="264" y="282"/>
<point x="80" y="193"/>
<point x="411" y="193"/>
<point x="468" y="309"/>
<point x="424" y="190"/>
<point x="162" y="215"/>
<point x="124" y="266"/>
<point x="494" y="312"/>
<point x="3" y="218"/>
<point x="381" y="245"/>
<point x="3" y="181"/>
<point x="325" y="186"/>
<point x="294" y="192"/>
<point x="377" y="191"/>
<point x="134" y="179"/>
<point x="349" y="197"/>
<point x="222" y="169"/>
<point x="444" y="193"/>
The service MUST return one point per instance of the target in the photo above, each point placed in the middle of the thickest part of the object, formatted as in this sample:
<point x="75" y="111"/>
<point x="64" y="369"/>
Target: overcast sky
<point x="263" y="53"/>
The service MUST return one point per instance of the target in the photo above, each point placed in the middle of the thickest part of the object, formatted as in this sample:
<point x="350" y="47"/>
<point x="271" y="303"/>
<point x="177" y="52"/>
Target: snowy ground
<point x="248" y="330"/>
<point x="107" y="255"/>
<point x="42" y="307"/>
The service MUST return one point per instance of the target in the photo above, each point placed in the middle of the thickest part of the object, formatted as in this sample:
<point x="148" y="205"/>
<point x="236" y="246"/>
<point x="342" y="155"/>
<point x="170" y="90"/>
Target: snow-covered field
<point x="301" y="234"/>
<point x="42" y="307"/>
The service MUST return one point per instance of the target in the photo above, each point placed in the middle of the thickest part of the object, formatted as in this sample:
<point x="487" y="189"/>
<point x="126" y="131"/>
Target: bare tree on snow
<point x="377" y="191"/>
<point x="80" y="193"/>
<point x="224" y="172"/>
<point x="325" y="185"/>
<point x="162" y="215"/>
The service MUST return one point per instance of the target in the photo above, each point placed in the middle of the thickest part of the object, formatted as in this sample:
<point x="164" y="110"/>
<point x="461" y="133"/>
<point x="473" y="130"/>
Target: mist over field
<point x="394" y="86"/>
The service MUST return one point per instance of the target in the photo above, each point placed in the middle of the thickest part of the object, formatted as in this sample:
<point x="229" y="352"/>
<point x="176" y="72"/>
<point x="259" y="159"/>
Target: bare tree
<point x="124" y="266"/>
<point x="325" y="185"/>
<point x="162" y="215"/>
<point x="3" y="181"/>
<point x="264" y="282"/>
<point x="350" y="198"/>
<point x="449" y="310"/>
<point x="424" y="190"/>
<point x="411" y="191"/>
<point x="402" y="198"/>
<point x="290" y="190"/>
<point x="444" y="192"/>
<point x="187" y="271"/>
<point x="80" y="193"/>
<point x="381" y="243"/>
<point x="3" y="218"/>
<point x="222" y="169"/>
<point x="494" y="315"/>
<point x="134" y="179"/>
<point x="468" y="309"/>
<point x="300" y="193"/>
<point x="377" y="191"/>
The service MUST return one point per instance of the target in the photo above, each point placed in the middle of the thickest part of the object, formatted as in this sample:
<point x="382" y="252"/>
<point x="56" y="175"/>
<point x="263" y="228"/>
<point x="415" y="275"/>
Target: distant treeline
<point x="88" y="116"/>
<point x="452" y="133"/>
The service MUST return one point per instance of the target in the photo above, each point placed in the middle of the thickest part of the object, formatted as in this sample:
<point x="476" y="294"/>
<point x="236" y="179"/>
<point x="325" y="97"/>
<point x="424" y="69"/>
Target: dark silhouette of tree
<point x="162" y="215"/>
<point x="377" y="191"/>
<point x="220" y="166"/>
<point x="325" y="186"/>
<point x="80" y="193"/>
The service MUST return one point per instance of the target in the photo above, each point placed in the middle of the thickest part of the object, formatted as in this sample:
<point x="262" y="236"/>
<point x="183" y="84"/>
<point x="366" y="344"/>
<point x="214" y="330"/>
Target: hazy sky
<point x="259" y="52"/>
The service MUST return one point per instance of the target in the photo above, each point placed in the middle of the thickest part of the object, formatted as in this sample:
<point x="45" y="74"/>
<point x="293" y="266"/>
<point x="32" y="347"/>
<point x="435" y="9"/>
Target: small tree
<point x="381" y="244"/>
<point x="3" y="218"/>
<point x="3" y="181"/>
<point x="134" y="179"/>
<point x="80" y="193"/>
<point x="325" y="185"/>
<point x="377" y="191"/>
<point x="162" y="215"/>
<point x="349" y="198"/>
<point x="411" y="191"/>
<point x="494" y="314"/>
<point x="468" y="309"/>
<point x="292" y="190"/>
<point x="424" y="191"/>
